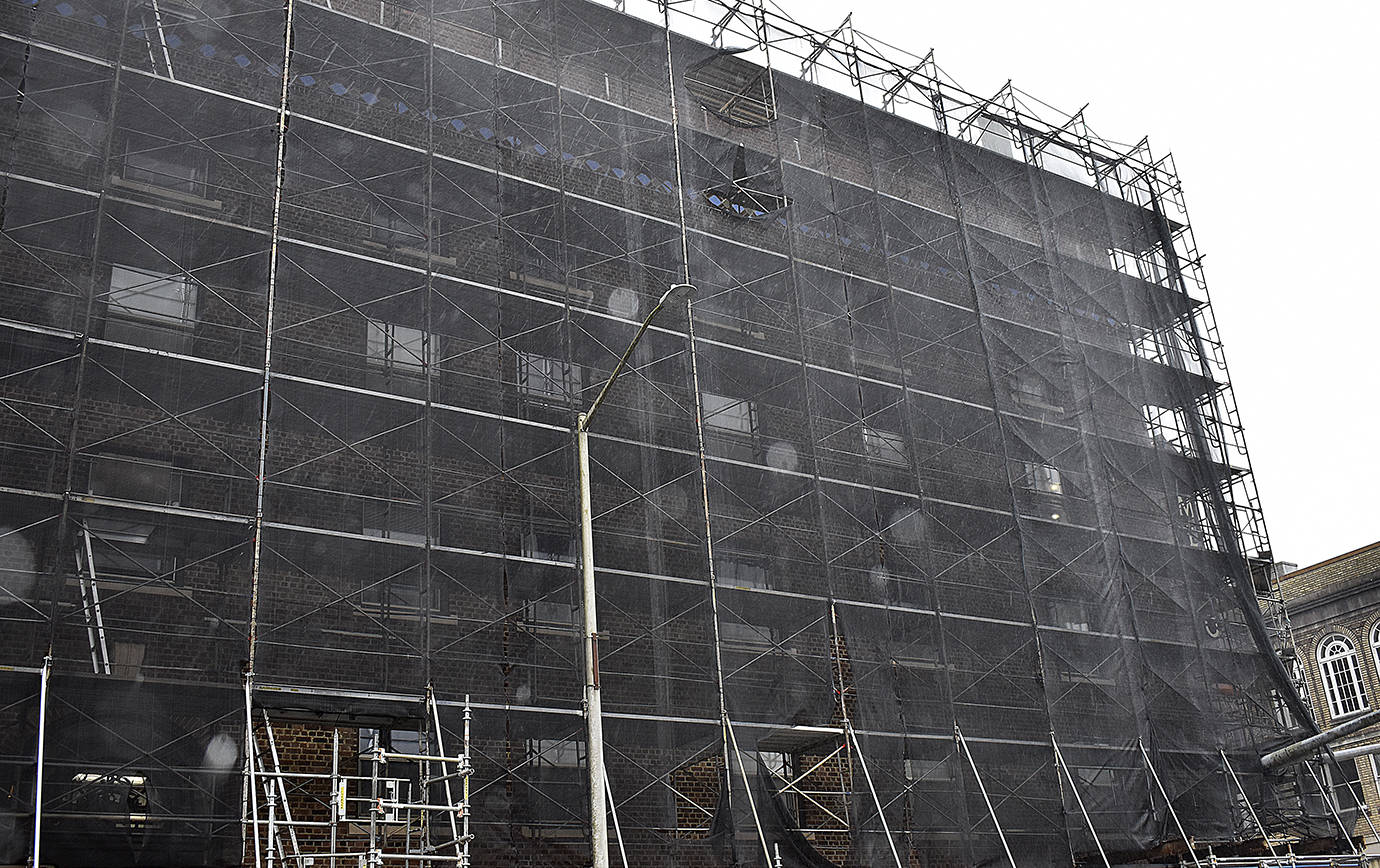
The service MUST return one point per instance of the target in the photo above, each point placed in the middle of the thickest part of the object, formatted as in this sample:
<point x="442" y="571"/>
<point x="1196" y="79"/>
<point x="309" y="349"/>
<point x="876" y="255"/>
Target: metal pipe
<point x="419" y="757"/>
<point x="747" y="787"/>
<point x="1265" y="835"/>
<point x="1073" y="785"/>
<point x="594" y="712"/>
<point x="1329" y="799"/>
<point x="876" y="800"/>
<point x="278" y="782"/>
<point x="336" y="806"/>
<point x="39" y="757"/>
<point x="250" y="750"/>
<point x="273" y="843"/>
<point x="1154" y="775"/>
<point x="617" y="829"/>
<point x="375" y="809"/>
<point x="465" y="797"/>
<point x="1359" y="750"/>
<point x="972" y="764"/>
<point x="1300" y="749"/>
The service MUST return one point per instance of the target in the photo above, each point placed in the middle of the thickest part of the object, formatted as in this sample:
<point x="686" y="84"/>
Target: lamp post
<point x="594" y="715"/>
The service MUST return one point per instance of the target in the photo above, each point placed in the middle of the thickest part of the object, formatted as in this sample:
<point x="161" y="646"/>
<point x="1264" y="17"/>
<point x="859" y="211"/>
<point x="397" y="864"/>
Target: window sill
<point x="175" y="195"/>
<point x="1334" y="719"/>
<point x="412" y="252"/>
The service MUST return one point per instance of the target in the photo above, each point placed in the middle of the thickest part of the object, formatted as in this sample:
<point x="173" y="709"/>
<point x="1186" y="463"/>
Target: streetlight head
<point x="677" y="290"/>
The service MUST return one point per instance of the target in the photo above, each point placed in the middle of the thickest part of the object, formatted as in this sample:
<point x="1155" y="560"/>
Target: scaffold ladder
<point x="91" y="605"/>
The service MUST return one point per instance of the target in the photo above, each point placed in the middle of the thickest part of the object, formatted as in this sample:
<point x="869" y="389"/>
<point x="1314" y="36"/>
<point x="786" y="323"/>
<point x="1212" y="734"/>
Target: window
<point x="1375" y="645"/>
<point x="149" y="308"/>
<point x="547" y="545"/>
<point x="563" y="753"/>
<point x="387" y="226"/>
<point x="547" y="378"/>
<point x="1341" y="676"/>
<point x="1149" y="265"/>
<point x="387" y="519"/>
<point x="729" y="414"/>
<point x="398" y="349"/>
<point x="1174" y="346"/>
<point x="781" y="766"/>
<point x="549" y="615"/>
<point x="154" y="162"/>
<point x="1070" y="614"/>
<point x="1168" y="427"/>
<point x="886" y="447"/>
<point x="397" y="595"/>
<point x="922" y="771"/>
<point x="556" y="781"/>
<point x="1029" y="389"/>
<point x="125" y="542"/>
<point x="391" y="789"/>
<point x="740" y="574"/>
<point x="1043" y="477"/>
<point x="736" y="635"/>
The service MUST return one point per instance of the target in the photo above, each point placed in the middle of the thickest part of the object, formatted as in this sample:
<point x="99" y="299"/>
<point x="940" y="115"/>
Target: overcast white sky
<point x="1271" y="114"/>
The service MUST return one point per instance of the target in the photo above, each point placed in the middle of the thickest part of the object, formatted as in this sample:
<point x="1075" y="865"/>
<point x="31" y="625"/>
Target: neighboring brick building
<point x="1334" y="607"/>
<point x="933" y="496"/>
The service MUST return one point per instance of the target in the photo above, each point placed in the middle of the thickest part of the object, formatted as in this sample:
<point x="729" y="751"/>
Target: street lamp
<point x="594" y="715"/>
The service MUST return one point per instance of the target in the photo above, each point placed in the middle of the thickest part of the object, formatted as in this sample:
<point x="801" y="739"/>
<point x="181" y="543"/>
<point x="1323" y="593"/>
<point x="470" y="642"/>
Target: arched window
<point x="1375" y="645"/>
<point x="1341" y="674"/>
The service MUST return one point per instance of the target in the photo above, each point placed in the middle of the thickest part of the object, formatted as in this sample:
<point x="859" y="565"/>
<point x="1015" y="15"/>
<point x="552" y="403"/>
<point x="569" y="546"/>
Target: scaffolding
<point x="923" y="530"/>
<point x="376" y="819"/>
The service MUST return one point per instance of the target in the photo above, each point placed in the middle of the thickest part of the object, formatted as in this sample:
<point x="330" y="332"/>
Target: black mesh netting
<point x="300" y="302"/>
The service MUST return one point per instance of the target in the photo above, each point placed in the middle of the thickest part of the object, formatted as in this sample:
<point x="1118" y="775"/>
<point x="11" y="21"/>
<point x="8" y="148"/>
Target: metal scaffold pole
<point x="251" y="780"/>
<point x="1073" y="785"/>
<point x="1330" y="799"/>
<point x="39" y="761"/>
<point x="1169" y="805"/>
<point x="337" y="795"/>
<point x="972" y="764"/>
<point x="1265" y="835"/>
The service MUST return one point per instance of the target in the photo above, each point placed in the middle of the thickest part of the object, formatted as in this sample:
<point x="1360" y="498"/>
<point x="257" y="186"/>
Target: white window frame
<point x="549" y="615"/>
<point x="1374" y="650"/>
<point x="732" y="415"/>
<point x="398" y="348"/>
<point x="1044" y="478"/>
<point x="547" y="378"/>
<point x="885" y="447"/>
<point x="730" y="572"/>
<point x="167" y="300"/>
<point x="558" y="753"/>
<point x="123" y="544"/>
<point x="181" y="169"/>
<point x="1029" y="389"/>
<point x="1169" y="425"/>
<point x="742" y="636"/>
<point x="1337" y="659"/>
<point x="388" y="519"/>
<point x="389" y="228"/>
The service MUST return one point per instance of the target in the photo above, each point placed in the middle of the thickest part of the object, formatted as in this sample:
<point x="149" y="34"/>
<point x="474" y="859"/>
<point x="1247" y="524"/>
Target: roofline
<point x="1331" y="560"/>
